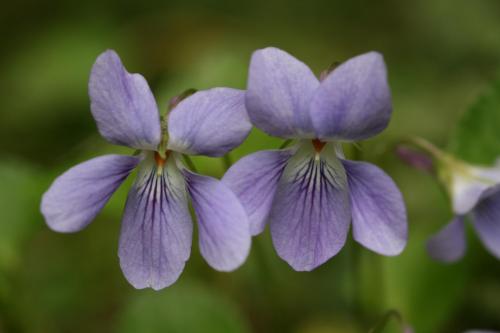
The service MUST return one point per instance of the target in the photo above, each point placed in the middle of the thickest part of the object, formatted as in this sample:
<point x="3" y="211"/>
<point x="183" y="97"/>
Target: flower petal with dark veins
<point x="311" y="210"/>
<point x="156" y="234"/>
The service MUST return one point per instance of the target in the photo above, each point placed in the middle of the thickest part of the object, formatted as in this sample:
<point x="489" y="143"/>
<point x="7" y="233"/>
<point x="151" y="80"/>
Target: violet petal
<point x="122" y="104"/>
<point x="76" y="197"/>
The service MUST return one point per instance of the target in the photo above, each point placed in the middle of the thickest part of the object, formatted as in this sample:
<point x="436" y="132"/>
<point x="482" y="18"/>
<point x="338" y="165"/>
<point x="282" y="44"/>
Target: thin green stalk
<point x="391" y="314"/>
<point x="190" y="163"/>
<point x="227" y="161"/>
<point x="285" y="144"/>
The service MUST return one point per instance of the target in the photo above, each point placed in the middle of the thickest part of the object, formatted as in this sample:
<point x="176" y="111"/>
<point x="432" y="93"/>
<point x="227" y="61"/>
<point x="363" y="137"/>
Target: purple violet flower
<point x="156" y="233"/>
<point x="310" y="193"/>
<point x="474" y="192"/>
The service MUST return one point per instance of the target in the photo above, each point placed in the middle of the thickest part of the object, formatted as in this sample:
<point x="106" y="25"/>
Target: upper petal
<point x="123" y="105"/>
<point x="311" y="211"/>
<point x="354" y="101"/>
<point x="448" y="245"/>
<point x="224" y="231"/>
<point x="486" y="220"/>
<point x="378" y="211"/>
<point x="254" y="180"/>
<point x="156" y="234"/>
<point x="210" y="122"/>
<point x="77" y="196"/>
<point x="279" y="92"/>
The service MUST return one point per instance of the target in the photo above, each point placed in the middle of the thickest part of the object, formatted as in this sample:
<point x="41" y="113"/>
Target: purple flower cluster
<point x="309" y="193"/>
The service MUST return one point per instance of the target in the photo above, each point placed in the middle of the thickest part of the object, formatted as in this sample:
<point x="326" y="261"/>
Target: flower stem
<point x="427" y="147"/>
<point x="391" y="314"/>
<point x="190" y="163"/>
<point x="227" y="161"/>
<point x="285" y="144"/>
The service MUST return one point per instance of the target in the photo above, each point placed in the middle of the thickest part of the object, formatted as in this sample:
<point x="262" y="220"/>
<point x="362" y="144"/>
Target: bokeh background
<point x="441" y="55"/>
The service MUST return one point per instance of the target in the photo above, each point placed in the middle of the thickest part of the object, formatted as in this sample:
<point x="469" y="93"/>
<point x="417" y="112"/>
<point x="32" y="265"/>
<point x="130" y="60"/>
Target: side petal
<point x="254" y="179"/>
<point x="123" y="105"/>
<point x="378" y="211"/>
<point x="279" y="92"/>
<point x="354" y="101"/>
<point x="224" y="232"/>
<point x="76" y="197"/>
<point x="311" y="211"/>
<point x="156" y="234"/>
<point x="210" y="122"/>
<point x="486" y="221"/>
<point x="449" y="244"/>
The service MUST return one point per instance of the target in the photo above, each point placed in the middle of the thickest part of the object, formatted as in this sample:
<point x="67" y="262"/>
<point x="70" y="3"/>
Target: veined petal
<point x="123" y="105"/>
<point x="449" y="244"/>
<point x="224" y="231"/>
<point x="156" y="234"/>
<point x="354" y="101"/>
<point x="378" y="211"/>
<point x="470" y="186"/>
<point x="254" y="179"/>
<point x="486" y="220"/>
<point x="210" y="122"/>
<point x="279" y="92"/>
<point x="78" y="195"/>
<point x="311" y="211"/>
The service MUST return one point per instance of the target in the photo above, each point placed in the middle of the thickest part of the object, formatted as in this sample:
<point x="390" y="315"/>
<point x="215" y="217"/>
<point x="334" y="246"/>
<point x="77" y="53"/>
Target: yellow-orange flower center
<point x="160" y="161"/>
<point x="318" y="145"/>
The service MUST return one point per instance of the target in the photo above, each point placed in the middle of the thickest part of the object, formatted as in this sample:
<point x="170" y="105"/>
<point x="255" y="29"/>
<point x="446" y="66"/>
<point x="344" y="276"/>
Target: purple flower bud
<point x="416" y="159"/>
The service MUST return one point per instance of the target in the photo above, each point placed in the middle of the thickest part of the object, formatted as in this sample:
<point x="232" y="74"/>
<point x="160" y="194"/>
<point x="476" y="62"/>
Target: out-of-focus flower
<point x="156" y="233"/>
<point x="310" y="193"/>
<point x="474" y="192"/>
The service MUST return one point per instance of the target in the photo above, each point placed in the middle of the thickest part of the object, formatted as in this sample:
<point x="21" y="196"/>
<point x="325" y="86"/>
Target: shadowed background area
<point x="441" y="55"/>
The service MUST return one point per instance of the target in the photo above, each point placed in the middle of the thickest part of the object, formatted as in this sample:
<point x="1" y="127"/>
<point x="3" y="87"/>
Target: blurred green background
<point x="441" y="55"/>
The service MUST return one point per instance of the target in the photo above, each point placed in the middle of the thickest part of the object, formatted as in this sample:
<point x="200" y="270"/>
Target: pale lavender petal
<point x="279" y="92"/>
<point x="78" y="195"/>
<point x="156" y="234"/>
<point x="254" y="180"/>
<point x="449" y="244"/>
<point x="210" y="122"/>
<point x="123" y="105"/>
<point x="354" y="101"/>
<point x="311" y="211"/>
<point x="472" y="183"/>
<point x="486" y="220"/>
<point x="224" y="231"/>
<point x="378" y="211"/>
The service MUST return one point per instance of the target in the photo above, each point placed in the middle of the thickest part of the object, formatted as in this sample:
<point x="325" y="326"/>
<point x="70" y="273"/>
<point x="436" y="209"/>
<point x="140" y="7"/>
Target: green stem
<point x="357" y="281"/>
<point x="426" y="146"/>
<point x="391" y="314"/>
<point x="285" y="144"/>
<point x="227" y="161"/>
<point x="190" y="163"/>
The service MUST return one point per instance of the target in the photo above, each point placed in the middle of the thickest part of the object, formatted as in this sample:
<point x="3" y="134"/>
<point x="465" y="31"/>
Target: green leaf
<point x="477" y="137"/>
<point x="184" y="307"/>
